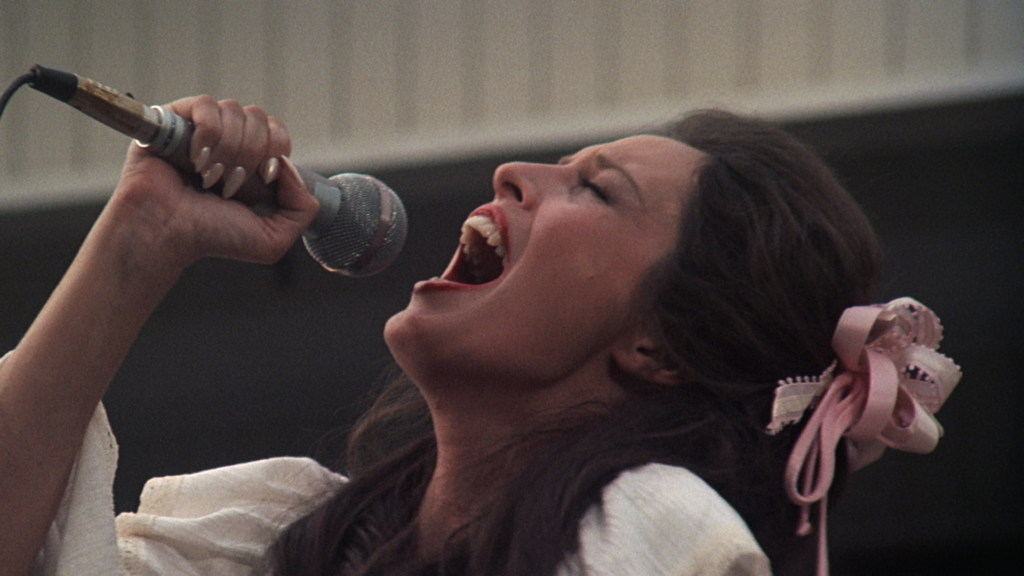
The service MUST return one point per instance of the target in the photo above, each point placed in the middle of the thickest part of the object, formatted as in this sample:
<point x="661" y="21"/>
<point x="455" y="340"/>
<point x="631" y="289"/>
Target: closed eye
<point x="594" y="189"/>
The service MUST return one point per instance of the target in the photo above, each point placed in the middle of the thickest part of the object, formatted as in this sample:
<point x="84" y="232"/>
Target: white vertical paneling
<point x="376" y="77"/>
<point x="748" y="34"/>
<point x="209" y="23"/>
<point x="819" y="41"/>
<point x="675" y="51"/>
<point x="1000" y="32"/>
<point x="505" y="53"/>
<point x="897" y="26"/>
<point x="937" y="34"/>
<point x="272" y="51"/>
<point x="13" y="63"/>
<point x="175" y="48"/>
<point x="608" y="40"/>
<point x="574" y="55"/>
<point x="785" y="43"/>
<point x="46" y="141"/>
<point x="643" y="51"/>
<point x="407" y="64"/>
<point x="439" y="46"/>
<point x="146" y="63"/>
<point x="305" y="85"/>
<point x="713" y="49"/>
<point x="342" y="67"/>
<point x="540" y="56"/>
<point x="244" y="75"/>
<point x="373" y="96"/>
<point x="858" y="41"/>
<point x="472" y="42"/>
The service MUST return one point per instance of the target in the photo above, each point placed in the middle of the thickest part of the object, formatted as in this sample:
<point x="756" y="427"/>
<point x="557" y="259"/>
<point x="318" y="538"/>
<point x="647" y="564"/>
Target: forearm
<point x="51" y="383"/>
<point x="154" y="226"/>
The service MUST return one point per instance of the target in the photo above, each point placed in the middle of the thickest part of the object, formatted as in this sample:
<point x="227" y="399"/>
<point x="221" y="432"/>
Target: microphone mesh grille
<point x="360" y="240"/>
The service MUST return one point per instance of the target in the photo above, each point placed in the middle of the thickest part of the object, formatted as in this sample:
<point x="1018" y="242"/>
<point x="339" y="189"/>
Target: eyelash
<point x="595" y="190"/>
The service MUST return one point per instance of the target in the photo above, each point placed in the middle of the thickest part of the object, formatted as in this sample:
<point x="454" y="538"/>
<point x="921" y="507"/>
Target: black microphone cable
<point x="26" y="78"/>
<point x="359" y="230"/>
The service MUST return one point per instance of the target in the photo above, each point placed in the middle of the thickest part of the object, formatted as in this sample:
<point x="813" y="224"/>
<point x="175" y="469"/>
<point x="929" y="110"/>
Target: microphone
<point x="361" y="225"/>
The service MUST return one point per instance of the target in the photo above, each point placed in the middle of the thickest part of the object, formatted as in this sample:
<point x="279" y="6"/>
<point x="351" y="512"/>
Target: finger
<point x="204" y="112"/>
<point x="265" y="239"/>
<point x="253" y="150"/>
<point x="295" y="203"/>
<point x="279" y="144"/>
<point x="225" y="150"/>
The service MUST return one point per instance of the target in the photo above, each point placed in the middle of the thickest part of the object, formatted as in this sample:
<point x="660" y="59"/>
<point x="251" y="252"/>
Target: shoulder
<point x="271" y="482"/>
<point x="665" y="520"/>
<point x="220" y="521"/>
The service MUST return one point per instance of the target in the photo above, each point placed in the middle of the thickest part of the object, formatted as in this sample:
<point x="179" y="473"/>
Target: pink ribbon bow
<point x="888" y="384"/>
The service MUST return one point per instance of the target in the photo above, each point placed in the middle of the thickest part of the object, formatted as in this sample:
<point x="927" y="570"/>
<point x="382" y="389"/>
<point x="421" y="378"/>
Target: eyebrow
<point x="606" y="163"/>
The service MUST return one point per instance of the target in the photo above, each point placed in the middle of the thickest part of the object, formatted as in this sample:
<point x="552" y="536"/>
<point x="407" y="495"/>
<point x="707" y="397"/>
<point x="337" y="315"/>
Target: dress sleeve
<point x="220" y="521"/>
<point x="82" y="540"/>
<point x="664" y="521"/>
<point x="217" y="522"/>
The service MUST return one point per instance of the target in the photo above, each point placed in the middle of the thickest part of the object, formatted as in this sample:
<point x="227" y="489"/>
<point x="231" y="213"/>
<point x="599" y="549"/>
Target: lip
<point x="442" y="283"/>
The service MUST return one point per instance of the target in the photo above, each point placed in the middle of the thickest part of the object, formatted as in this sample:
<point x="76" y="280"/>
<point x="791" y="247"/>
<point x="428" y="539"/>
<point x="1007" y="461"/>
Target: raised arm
<point x="153" y="227"/>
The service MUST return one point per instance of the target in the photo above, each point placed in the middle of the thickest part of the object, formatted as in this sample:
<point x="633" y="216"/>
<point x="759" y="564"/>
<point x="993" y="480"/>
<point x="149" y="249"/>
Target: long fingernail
<point x="291" y="167"/>
<point x="233" y="181"/>
<point x="212" y="174"/>
<point x="269" y="170"/>
<point x="201" y="159"/>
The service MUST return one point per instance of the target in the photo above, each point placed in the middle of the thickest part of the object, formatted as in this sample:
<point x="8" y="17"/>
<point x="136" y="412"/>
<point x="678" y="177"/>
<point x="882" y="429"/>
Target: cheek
<point x="588" y="286"/>
<point x="549" y="338"/>
<point x="605" y="263"/>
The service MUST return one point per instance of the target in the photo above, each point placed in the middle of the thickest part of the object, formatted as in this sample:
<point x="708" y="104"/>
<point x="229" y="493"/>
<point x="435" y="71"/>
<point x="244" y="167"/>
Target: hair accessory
<point x="882" y="392"/>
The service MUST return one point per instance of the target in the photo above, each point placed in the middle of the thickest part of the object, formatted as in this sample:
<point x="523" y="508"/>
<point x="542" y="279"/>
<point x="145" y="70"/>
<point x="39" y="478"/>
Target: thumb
<point x="275" y="233"/>
<point x="295" y="202"/>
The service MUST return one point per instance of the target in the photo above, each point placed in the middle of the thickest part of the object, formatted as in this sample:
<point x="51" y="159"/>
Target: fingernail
<point x="233" y="181"/>
<point x="212" y="174"/>
<point x="291" y="168"/>
<point x="269" y="170"/>
<point x="201" y="159"/>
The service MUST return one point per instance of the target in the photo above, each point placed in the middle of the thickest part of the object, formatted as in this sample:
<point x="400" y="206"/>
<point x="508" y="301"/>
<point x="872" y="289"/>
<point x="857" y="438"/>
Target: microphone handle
<point x="161" y="131"/>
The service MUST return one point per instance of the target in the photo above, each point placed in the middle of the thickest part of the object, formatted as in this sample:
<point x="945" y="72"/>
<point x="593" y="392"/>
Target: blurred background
<point x="918" y="105"/>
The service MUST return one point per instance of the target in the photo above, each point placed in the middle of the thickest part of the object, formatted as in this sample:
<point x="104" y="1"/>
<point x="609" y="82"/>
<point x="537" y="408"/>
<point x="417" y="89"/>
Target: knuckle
<point x="256" y="112"/>
<point x="230" y="104"/>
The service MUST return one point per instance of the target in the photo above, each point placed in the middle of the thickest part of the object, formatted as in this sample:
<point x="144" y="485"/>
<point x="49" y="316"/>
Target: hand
<point x="165" y="221"/>
<point x="155" y="224"/>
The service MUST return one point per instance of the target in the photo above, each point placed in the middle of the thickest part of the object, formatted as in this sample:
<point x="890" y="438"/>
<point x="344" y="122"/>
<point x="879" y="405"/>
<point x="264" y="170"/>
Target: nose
<point x="511" y="182"/>
<point x="526" y="183"/>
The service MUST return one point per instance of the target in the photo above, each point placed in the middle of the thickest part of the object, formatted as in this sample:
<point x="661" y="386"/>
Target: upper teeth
<point x="487" y="229"/>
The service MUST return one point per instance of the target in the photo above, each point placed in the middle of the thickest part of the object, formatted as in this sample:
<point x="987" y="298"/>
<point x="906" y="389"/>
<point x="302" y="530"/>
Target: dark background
<point x="243" y="362"/>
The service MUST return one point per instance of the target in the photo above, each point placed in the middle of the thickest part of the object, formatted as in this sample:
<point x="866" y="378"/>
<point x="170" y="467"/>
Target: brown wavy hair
<point x="771" y="251"/>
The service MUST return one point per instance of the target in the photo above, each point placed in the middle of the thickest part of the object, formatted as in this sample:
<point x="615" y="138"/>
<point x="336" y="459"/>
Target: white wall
<point x="373" y="83"/>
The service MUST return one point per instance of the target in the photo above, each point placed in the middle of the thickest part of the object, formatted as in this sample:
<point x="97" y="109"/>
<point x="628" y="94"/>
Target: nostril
<point x="506" y="182"/>
<point x="516" y="181"/>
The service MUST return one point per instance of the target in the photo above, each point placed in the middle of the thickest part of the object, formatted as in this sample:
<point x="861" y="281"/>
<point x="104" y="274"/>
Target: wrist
<point x="136" y="253"/>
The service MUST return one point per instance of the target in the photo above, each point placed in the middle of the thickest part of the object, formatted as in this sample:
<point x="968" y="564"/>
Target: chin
<point x="413" y="349"/>
<point x="396" y="332"/>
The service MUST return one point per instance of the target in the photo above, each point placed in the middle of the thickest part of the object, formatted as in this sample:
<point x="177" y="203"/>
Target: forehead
<point x="656" y="154"/>
<point x="655" y="163"/>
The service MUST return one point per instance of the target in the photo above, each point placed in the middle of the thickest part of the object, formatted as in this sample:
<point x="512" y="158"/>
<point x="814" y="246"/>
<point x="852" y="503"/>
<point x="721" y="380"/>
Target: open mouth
<point x="481" y="252"/>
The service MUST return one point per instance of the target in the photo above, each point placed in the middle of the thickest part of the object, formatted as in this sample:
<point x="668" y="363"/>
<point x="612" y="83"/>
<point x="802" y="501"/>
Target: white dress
<point x="653" y="521"/>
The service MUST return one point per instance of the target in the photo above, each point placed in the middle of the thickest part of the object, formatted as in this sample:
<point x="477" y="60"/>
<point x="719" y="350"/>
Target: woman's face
<point x="554" y="261"/>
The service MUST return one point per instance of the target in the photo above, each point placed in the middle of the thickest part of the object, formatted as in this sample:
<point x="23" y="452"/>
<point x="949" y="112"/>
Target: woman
<point x="582" y="387"/>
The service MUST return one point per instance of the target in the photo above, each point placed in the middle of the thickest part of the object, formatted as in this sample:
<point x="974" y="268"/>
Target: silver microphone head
<point x="360" y="228"/>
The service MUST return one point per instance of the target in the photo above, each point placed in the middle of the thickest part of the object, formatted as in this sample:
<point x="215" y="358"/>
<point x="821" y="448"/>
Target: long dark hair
<point x="771" y="251"/>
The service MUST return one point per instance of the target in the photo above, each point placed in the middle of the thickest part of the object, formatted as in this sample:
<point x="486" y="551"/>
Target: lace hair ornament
<point x="883" y="391"/>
